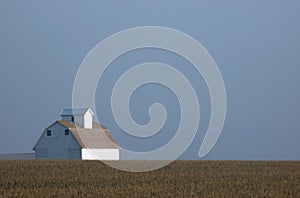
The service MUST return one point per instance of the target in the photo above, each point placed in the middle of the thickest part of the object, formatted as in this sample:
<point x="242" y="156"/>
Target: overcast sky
<point x="254" y="43"/>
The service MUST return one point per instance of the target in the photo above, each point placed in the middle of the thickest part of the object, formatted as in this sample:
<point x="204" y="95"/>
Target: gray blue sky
<point x="254" y="43"/>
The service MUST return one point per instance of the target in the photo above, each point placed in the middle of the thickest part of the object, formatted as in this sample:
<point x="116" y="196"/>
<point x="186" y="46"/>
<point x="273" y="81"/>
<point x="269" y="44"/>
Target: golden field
<point x="42" y="178"/>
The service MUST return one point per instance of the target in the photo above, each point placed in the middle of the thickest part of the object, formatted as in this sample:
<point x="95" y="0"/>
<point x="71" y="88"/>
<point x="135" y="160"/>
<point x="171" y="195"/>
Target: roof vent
<point x="82" y="117"/>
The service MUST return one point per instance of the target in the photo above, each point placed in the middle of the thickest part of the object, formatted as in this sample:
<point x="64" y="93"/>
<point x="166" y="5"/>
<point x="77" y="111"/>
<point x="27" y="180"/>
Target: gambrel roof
<point x="99" y="137"/>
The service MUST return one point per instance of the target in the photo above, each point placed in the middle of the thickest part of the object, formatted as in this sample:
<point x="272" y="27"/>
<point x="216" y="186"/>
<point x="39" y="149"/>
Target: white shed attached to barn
<point x="76" y="136"/>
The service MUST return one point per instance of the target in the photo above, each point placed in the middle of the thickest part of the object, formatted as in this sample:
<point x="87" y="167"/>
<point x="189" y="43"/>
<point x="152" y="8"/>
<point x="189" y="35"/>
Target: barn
<point x="76" y="136"/>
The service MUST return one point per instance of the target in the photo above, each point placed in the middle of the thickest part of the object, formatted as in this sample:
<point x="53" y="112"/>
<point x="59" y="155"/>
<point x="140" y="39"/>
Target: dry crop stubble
<point x="37" y="178"/>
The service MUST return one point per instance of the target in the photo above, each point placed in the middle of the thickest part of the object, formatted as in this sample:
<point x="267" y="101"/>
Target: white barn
<point x="76" y="136"/>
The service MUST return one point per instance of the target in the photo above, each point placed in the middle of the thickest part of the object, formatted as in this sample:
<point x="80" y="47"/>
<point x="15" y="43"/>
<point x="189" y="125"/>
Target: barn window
<point x="67" y="132"/>
<point x="48" y="132"/>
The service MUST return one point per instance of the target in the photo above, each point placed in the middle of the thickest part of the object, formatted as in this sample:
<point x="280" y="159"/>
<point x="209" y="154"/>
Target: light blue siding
<point x="58" y="145"/>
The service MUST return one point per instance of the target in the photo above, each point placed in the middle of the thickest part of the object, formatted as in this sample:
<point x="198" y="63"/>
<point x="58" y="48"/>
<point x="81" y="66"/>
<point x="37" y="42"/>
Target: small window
<point x="48" y="132"/>
<point x="67" y="132"/>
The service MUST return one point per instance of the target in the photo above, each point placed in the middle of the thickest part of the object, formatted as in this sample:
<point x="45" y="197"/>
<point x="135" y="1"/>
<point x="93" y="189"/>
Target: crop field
<point x="38" y="178"/>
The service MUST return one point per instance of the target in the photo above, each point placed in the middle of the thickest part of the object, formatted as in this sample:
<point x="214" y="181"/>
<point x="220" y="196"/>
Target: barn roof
<point x="67" y="112"/>
<point x="99" y="137"/>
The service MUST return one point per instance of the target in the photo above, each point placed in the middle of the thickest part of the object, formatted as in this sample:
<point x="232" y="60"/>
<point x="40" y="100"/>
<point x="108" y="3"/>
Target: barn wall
<point x="79" y="119"/>
<point x="100" y="154"/>
<point x="58" y="145"/>
<point x="67" y="118"/>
